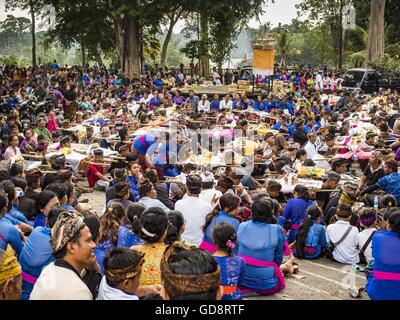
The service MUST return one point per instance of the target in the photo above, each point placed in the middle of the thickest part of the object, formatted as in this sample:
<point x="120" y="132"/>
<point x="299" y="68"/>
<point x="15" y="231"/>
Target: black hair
<point x="120" y="258"/>
<point x="58" y="163"/>
<point x="43" y="199"/>
<point x="344" y="211"/>
<point x="53" y="215"/>
<point x="3" y="200"/>
<point x="225" y="182"/>
<point x="134" y="215"/>
<point x="175" y="224"/>
<point x="9" y="189"/>
<point x="262" y="211"/>
<point x="98" y="152"/>
<point x="152" y="175"/>
<point x="145" y="187"/>
<point x="193" y="262"/>
<point x="312" y="214"/>
<point x="65" y="139"/>
<point x="309" y="163"/>
<point x="19" y="182"/>
<point x="338" y="163"/>
<point x="300" y="153"/>
<point x="274" y="185"/>
<point x="388" y="201"/>
<point x="60" y="189"/>
<point x="222" y="233"/>
<point x="16" y="169"/>
<point x="93" y="223"/>
<point x="49" y="178"/>
<point x="227" y="200"/>
<point x="121" y="189"/>
<point x="302" y="191"/>
<point x="394" y="222"/>
<point x="393" y="165"/>
<point x="154" y="224"/>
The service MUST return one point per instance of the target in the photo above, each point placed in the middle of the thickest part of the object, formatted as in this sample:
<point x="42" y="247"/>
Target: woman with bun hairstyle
<point x="260" y="242"/>
<point x="226" y="211"/>
<point x="128" y="233"/>
<point x="153" y="231"/>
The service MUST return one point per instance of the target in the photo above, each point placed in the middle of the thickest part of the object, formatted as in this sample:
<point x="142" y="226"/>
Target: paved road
<point x="319" y="279"/>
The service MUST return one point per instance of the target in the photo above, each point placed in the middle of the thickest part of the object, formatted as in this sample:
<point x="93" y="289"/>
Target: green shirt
<point x="45" y="132"/>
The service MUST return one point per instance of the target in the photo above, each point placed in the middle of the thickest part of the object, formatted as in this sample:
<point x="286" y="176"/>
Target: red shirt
<point x="91" y="174"/>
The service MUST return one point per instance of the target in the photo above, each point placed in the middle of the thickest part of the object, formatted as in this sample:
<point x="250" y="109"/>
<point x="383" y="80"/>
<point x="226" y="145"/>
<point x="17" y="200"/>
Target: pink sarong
<point x="278" y="273"/>
<point x="209" y="247"/>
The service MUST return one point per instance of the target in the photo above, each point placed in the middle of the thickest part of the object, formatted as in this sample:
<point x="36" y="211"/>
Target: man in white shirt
<point x="319" y="82"/>
<point x="73" y="249"/>
<point x="311" y="147"/>
<point x="346" y="251"/>
<point x="194" y="210"/>
<point x="226" y="103"/>
<point x="209" y="193"/>
<point x="148" y="196"/>
<point x="204" y="104"/>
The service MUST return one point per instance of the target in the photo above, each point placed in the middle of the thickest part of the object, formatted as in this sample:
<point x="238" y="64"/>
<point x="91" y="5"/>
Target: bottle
<point x="376" y="204"/>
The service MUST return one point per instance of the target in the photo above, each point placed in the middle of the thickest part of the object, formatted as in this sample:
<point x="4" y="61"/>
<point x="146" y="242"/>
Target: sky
<point x="283" y="11"/>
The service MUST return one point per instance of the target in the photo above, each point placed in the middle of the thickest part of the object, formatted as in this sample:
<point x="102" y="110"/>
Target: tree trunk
<point x="84" y="56"/>
<point x="341" y="38"/>
<point x="132" y="47"/>
<point x="164" y="49"/>
<point x="141" y="51"/>
<point x="205" y="61"/>
<point x="376" y="33"/>
<point x="33" y="32"/>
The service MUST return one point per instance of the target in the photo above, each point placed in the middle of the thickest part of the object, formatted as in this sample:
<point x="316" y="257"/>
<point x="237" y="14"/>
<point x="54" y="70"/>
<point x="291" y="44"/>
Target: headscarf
<point x="9" y="266"/>
<point x="67" y="225"/>
<point x="179" y="285"/>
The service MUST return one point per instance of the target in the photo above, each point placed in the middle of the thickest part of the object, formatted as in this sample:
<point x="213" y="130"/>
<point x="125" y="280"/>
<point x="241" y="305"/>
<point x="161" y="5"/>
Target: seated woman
<point x="226" y="210"/>
<point x="134" y="179"/>
<point x="37" y="253"/>
<point x="384" y="282"/>
<point x="128" y="234"/>
<point x="311" y="238"/>
<point x="122" y="194"/>
<point x="263" y="255"/>
<point x="47" y="199"/>
<point x="111" y="221"/>
<point x="295" y="210"/>
<point x="153" y="232"/>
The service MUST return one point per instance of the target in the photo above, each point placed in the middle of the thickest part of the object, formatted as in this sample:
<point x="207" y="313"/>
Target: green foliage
<point x="14" y="60"/>
<point x="192" y="49"/>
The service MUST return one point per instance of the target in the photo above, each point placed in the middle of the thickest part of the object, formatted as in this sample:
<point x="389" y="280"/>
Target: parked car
<point x="369" y="80"/>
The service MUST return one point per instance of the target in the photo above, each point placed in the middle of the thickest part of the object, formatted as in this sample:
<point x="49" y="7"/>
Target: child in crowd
<point x="311" y="239"/>
<point x="368" y="229"/>
<point x="128" y="234"/>
<point x="231" y="266"/>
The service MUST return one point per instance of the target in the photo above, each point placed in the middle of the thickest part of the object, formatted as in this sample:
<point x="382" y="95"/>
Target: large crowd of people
<point x="182" y="223"/>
